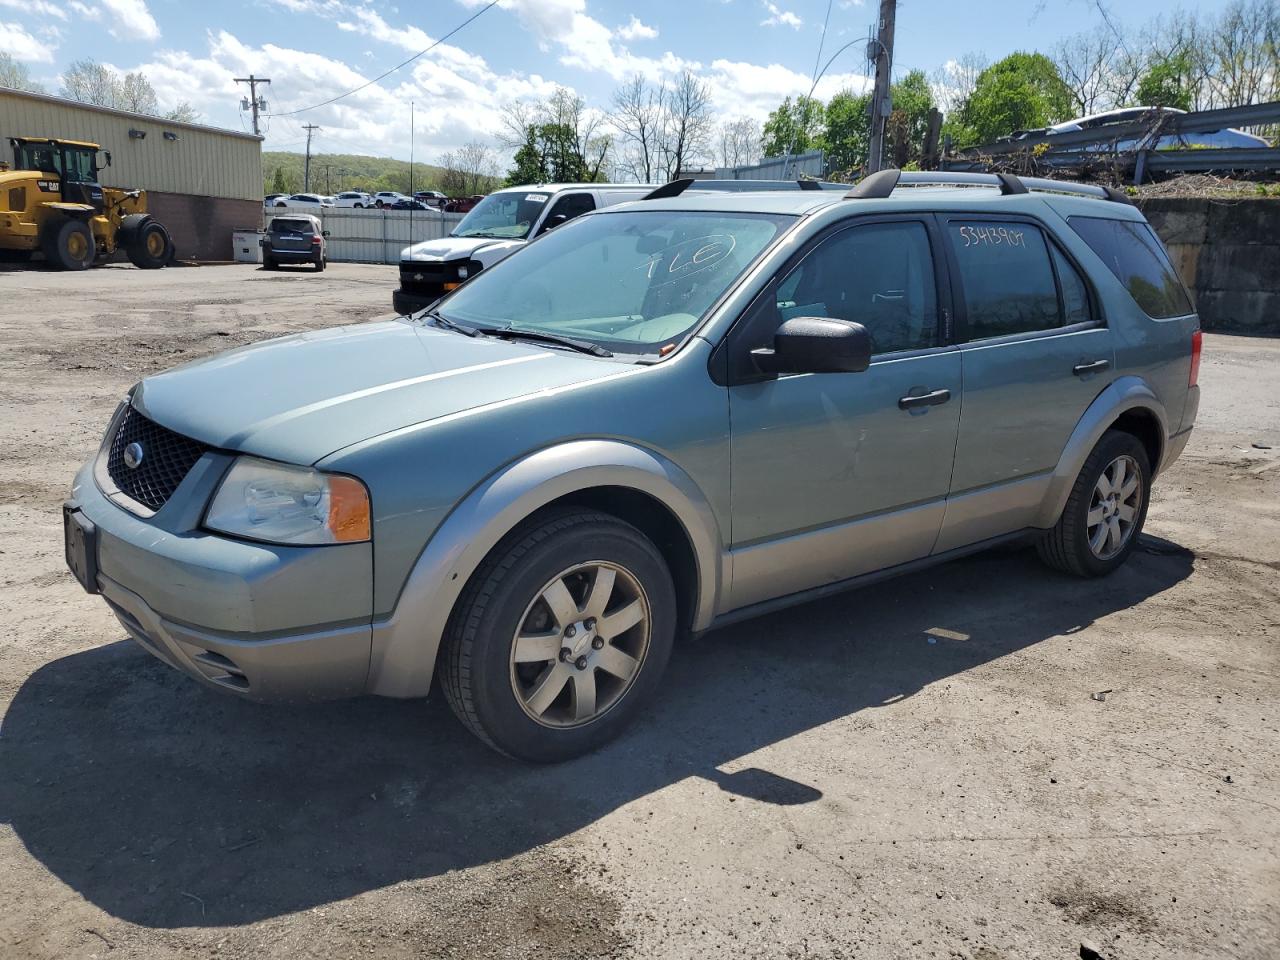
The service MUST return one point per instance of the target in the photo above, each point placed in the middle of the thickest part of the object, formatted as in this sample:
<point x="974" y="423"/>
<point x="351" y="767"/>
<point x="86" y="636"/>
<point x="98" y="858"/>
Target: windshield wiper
<point x="582" y="346"/>
<point x="440" y="320"/>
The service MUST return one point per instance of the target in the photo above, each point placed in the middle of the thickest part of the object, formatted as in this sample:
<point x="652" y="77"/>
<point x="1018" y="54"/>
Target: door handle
<point x="1093" y="366"/>
<point x="925" y="400"/>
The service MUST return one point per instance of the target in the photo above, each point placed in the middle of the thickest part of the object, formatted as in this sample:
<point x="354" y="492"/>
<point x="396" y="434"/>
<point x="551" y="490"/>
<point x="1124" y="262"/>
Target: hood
<point x="457" y="248"/>
<point x="302" y="397"/>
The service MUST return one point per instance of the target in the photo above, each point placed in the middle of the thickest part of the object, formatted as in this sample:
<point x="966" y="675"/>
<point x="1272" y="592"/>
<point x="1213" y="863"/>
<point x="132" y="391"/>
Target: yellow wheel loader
<point x="51" y="201"/>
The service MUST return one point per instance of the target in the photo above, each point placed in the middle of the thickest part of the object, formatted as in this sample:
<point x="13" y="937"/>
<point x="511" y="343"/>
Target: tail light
<point x="315" y="241"/>
<point x="1196" y="344"/>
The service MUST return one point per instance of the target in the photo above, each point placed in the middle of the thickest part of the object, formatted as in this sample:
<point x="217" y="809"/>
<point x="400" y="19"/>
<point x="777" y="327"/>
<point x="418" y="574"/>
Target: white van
<point x="500" y="224"/>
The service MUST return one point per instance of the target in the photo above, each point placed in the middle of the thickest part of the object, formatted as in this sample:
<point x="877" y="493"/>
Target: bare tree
<point x="92" y="82"/>
<point x="953" y="82"/>
<point x="688" y="124"/>
<point x="1087" y="63"/>
<point x="469" y="170"/>
<point x="638" y="110"/>
<point x="739" y="142"/>
<point x="570" y="140"/>
<point x="16" y="76"/>
<point x="1242" y="52"/>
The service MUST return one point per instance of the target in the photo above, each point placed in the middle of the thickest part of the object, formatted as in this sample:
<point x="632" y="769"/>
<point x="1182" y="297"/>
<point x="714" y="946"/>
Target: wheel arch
<point x="636" y="484"/>
<point x="1127" y="404"/>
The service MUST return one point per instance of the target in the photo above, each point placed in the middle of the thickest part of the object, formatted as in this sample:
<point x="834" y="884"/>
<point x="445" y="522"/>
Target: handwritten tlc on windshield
<point x="992" y="236"/>
<point x="688" y="257"/>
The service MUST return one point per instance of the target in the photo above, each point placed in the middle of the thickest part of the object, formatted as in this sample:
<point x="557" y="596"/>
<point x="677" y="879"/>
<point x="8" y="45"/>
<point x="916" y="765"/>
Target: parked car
<point x="410" y="205"/>
<point x="295" y="238"/>
<point x="385" y="198"/>
<point x="1227" y="137"/>
<point x="499" y="224"/>
<point x="463" y="205"/>
<point x="304" y="200"/>
<point x="664" y="417"/>
<point x="353" y="198"/>
<point x="433" y="198"/>
<point x="270" y="199"/>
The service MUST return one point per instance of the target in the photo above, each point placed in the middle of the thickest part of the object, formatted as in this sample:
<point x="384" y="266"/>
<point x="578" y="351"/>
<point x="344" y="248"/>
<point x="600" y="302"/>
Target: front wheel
<point x="1105" y="511"/>
<point x="560" y="637"/>
<point x="149" y="246"/>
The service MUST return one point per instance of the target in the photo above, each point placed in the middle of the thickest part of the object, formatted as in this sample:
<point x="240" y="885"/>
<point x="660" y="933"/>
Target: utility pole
<point x="881" y="105"/>
<point x="306" y="170"/>
<point x="255" y="102"/>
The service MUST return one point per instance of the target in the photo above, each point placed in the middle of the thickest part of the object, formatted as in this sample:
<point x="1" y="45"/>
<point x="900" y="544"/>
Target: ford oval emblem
<point x="133" y="455"/>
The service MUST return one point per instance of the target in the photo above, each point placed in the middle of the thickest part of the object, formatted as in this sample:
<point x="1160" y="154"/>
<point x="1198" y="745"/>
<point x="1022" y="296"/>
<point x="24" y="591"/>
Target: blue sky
<point x="752" y="53"/>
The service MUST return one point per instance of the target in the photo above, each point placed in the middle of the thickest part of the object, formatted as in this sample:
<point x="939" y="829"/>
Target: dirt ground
<point x="913" y="770"/>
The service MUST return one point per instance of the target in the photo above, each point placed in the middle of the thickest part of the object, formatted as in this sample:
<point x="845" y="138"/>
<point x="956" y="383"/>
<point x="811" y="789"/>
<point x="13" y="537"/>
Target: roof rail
<point x="879" y="185"/>
<point x="677" y="187"/>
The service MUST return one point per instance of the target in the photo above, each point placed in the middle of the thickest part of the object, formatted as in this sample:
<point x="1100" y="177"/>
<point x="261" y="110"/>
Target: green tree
<point x="1021" y="92"/>
<point x="1165" y="83"/>
<point x="846" y="137"/>
<point x="16" y="76"/>
<point x="277" y="182"/>
<point x="794" y="127"/>
<point x="912" y="101"/>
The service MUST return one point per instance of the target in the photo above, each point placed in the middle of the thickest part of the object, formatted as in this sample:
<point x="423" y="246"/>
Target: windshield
<point x="506" y="215"/>
<point x="631" y="282"/>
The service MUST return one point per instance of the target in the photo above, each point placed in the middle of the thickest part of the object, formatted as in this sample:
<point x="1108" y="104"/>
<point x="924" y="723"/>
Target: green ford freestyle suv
<point x="660" y="418"/>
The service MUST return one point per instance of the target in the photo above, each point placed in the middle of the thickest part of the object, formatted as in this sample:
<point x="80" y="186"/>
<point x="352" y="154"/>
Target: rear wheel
<point x="1103" y="518"/>
<point x="268" y="263"/>
<point x="68" y="245"/>
<point x="149" y="246"/>
<point x="561" y="636"/>
<point x="320" y="264"/>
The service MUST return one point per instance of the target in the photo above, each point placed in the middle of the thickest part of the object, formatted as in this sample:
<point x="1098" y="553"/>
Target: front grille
<point x="426" y="277"/>
<point x="167" y="457"/>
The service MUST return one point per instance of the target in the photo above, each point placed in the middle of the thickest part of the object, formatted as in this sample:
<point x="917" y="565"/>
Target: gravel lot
<point x="833" y="781"/>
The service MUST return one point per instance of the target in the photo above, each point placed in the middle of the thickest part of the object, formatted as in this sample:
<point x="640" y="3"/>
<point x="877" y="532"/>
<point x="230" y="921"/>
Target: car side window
<point x="1075" y="295"/>
<point x="572" y="205"/>
<point x="879" y="275"/>
<point x="1005" y="276"/>
<point x="1135" y="255"/>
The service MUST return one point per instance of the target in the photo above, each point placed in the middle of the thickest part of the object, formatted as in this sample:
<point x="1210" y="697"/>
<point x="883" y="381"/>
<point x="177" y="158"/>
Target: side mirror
<point x="106" y="154"/>
<point x="324" y="233"/>
<point x="555" y="220"/>
<point x="816" y="345"/>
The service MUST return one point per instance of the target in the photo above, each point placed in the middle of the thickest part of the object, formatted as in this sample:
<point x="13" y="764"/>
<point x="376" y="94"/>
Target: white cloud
<point x="36" y="8"/>
<point x="779" y="17"/>
<point x="124" y="19"/>
<point x="635" y="30"/>
<point x="15" y="41"/>
<point x="752" y="89"/>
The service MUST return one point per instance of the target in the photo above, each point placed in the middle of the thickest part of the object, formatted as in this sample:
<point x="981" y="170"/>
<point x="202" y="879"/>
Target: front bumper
<point x="258" y="620"/>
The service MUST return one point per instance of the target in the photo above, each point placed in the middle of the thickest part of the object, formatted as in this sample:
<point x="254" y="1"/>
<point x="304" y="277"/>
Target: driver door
<point x="839" y="474"/>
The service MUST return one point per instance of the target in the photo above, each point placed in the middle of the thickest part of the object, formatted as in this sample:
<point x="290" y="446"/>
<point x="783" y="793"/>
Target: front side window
<point x="1005" y="276"/>
<point x="570" y="206"/>
<point x="879" y="275"/>
<point x="631" y="282"/>
<point x="508" y="216"/>
<point x="1135" y="255"/>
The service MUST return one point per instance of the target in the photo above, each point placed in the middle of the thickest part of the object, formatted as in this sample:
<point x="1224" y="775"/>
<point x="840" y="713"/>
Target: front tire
<point x="68" y="245"/>
<point x="560" y="637"/>
<point x="149" y="246"/>
<point x="1105" y="511"/>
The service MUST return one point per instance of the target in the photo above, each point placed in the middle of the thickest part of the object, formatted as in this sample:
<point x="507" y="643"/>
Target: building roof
<point x="112" y="111"/>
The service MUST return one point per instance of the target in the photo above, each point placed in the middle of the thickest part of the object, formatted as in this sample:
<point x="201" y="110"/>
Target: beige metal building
<point x="201" y="182"/>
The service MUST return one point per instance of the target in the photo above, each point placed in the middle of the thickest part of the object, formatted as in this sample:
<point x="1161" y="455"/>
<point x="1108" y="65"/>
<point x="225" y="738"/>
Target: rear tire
<point x="1105" y="511"/>
<point x="68" y="245"/>
<point x="320" y="265"/>
<point x="609" y="582"/>
<point x="149" y="246"/>
<point x="269" y="264"/>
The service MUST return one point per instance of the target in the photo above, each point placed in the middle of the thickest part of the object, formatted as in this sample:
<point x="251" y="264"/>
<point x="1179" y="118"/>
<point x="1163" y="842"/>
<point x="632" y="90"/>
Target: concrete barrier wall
<point x="1228" y="253"/>
<point x="373" y="235"/>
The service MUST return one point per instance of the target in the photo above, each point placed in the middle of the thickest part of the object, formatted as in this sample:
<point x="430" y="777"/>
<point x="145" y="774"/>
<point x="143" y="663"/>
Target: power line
<point x="471" y="19"/>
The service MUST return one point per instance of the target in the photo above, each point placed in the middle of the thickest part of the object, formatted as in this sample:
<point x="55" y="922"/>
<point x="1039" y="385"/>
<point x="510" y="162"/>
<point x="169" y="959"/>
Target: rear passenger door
<point x="1035" y="352"/>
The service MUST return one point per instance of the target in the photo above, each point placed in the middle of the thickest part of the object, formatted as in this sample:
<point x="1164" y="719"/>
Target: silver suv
<point x="666" y="416"/>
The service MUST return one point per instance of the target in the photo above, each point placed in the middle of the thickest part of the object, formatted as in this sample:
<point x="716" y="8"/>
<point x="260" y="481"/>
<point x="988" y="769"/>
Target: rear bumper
<point x="292" y="256"/>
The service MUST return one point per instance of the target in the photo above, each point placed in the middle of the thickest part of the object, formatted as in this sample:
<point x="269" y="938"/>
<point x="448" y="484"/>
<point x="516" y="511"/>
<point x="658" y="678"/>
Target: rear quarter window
<point x="1132" y="251"/>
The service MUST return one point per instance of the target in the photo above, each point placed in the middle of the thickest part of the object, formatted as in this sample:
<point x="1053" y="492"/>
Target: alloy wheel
<point x="1114" y="507"/>
<point x="580" y="644"/>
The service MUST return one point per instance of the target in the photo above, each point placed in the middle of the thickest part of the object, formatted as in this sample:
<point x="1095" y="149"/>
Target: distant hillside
<point x="335" y="172"/>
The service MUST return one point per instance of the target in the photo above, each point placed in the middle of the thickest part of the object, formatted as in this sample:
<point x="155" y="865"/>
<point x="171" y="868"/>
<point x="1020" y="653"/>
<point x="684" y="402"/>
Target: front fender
<point x="1122" y="394"/>
<point x="405" y="646"/>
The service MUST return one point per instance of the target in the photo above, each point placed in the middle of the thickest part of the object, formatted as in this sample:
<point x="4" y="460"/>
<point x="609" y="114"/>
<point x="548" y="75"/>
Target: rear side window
<point x="1134" y="254"/>
<point x="1006" y="276"/>
<point x="1075" y="295"/>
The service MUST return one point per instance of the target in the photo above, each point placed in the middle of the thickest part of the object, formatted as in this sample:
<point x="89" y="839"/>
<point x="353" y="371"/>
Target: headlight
<point x="278" y="503"/>
<point x="462" y="272"/>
